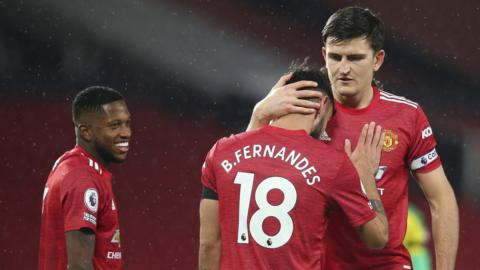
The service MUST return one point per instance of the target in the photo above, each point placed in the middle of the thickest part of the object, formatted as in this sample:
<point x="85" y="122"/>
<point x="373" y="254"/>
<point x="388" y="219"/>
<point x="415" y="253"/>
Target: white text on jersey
<point x="297" y="160"/>
<point x="427" y="132"/>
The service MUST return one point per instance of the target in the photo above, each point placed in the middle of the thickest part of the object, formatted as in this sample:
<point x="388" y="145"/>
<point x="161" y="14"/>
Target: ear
<point x="324" y="53"/>
<point x="323" y="104"/>
<point x="378" y="61"/>
<point x="85" y="132"/>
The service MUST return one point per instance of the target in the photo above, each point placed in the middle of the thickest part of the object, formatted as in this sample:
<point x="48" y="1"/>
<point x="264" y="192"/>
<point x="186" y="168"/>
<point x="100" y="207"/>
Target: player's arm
<point x="284" y="99"/>
<point x="80" y="249"/>
<point x="365" y="159"/>
<point x="210" y="241"/>
<point x="444" y="211"/>
<point x="374" y="233"/>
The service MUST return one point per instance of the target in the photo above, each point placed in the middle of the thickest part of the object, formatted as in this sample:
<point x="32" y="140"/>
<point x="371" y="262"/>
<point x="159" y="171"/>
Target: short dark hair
<point x="354" y="22"/>
<point x="303" y="71"/>
<point x="92" y="99"/>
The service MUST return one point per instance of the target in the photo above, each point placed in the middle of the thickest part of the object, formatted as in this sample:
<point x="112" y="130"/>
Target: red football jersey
<point x="276" y="188"/>
<point x="409" y="146"/>
<point x="78" y="194"/>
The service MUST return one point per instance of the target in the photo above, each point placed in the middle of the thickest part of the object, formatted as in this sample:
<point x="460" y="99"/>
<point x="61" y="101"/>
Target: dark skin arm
<point x="210" y="239"/>
<point x="80" y="248"/>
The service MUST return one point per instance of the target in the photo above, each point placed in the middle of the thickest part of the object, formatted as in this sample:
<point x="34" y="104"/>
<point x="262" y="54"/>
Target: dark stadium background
<point x="192" y="71"/>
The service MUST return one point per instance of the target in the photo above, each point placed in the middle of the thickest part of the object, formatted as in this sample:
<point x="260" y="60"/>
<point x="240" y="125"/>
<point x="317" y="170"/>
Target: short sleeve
<point x="208" y="172"/>
<point x="346" y="192"/>
<point x="423" y="156"/>
<point x="80" y="200"/>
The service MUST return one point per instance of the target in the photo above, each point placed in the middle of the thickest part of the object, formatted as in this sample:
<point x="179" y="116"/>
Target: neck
<point x="359" y="101"/>
<point x="90" y="150"/>
<point x="295" y="122"/>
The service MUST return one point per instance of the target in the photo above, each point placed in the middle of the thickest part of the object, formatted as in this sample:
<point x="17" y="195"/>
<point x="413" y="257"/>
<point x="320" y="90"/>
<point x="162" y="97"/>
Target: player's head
<point x="353" y="41"/>
<point x="102" y="123"/>
<point x="355" y="22"/>
<point x="306" y="72"/>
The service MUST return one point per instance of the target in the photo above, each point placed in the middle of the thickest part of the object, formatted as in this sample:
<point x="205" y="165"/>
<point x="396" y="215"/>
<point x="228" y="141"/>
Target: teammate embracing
<point x="268" y="193"/>
<point x="353" y="39"/>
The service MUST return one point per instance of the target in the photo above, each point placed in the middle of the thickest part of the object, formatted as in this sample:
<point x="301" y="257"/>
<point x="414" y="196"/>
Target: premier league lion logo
<point x="91" y="199"/>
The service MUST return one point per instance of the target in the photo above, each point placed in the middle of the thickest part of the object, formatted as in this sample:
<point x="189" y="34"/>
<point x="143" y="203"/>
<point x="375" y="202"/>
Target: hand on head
<point x="285" y="99"/>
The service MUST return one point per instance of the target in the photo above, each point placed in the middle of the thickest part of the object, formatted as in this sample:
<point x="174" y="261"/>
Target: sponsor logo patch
<point x="324" y="137"/>
<point x="391" y="141"/>
<point x="380" y="172"/>
<point x="90" y="197"/>
<point x="114" y="255"/>
<point x="90" y="218"/>
<point x="424" y="160"/>
<point x="427" y="132"/>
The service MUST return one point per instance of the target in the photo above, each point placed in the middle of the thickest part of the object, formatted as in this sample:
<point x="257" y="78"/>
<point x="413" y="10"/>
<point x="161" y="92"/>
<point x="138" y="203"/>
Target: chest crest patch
<point x="391" y="141"/>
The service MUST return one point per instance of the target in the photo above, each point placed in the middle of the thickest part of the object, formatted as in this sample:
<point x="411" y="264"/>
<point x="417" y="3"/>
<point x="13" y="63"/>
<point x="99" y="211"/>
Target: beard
<point x="318" y="129"/>
<point x="106" y="154"/>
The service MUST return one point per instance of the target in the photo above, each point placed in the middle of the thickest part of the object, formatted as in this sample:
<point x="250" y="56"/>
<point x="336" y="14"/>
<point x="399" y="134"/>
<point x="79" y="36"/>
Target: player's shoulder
<point x="394" y="101"/>
<point x="76" y="164"/>
<point x="330" y="157"/>
<point x="235" y="139"/>
<point x="333" y="156"/>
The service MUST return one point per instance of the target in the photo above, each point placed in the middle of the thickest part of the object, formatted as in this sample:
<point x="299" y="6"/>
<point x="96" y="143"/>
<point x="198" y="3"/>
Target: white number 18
<point x="280" y="212"/>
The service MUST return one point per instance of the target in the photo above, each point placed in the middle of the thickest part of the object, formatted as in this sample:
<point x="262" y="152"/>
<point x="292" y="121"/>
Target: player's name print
<point x="281" y="153"/>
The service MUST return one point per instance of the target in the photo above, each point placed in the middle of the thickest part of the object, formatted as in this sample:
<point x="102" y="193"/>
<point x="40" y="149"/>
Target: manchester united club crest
<point x="391" y="141"/>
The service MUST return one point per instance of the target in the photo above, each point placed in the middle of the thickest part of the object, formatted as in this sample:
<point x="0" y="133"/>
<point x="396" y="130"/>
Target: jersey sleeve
<point x="347" y="192"/>
<point x="208" y="171"/>
<point x="80" y="200"/>
<point x="423" y="156"/>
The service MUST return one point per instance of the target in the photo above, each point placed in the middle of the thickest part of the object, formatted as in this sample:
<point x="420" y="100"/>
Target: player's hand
<point x="366" y="156"/>
<point x="285" y="99"/>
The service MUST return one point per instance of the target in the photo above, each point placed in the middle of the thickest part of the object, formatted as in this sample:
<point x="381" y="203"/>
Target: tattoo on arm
<point x="377" y="206"/>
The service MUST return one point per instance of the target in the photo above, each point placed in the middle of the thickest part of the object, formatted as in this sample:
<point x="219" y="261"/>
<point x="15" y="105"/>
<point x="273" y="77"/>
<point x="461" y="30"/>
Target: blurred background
<point x="192" y="71"/>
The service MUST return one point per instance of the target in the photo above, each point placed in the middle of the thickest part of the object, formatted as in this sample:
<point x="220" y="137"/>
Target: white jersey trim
<point x="94" y="165"/>
<point x="383" y="93"/>
<point x="424" y="160"/>
<point x="398" y="99"/>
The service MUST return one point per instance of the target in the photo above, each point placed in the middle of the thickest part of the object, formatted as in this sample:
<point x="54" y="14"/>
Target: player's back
<point x="275" y="187"/>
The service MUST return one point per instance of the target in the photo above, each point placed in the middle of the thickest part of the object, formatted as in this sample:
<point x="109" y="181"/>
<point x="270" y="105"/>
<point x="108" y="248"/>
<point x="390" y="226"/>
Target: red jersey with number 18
<point x="409" y="146"/>
<point x="78" y="194"/>
<point x="276" y="188"/>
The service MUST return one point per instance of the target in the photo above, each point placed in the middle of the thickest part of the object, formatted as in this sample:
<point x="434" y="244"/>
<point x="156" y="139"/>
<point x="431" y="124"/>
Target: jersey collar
<point x="290" y="132"/>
